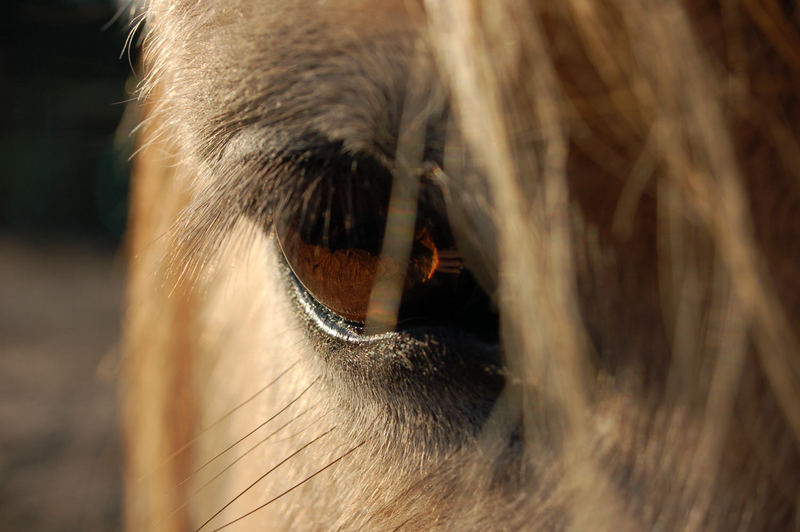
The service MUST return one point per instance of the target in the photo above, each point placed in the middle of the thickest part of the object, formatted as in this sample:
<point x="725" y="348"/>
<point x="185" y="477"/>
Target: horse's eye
<point x="331" y="234"/>
<point x="340" y="272"/>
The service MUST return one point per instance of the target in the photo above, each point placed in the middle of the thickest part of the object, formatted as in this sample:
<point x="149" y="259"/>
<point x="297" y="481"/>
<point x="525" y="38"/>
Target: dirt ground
<point x="60" y="312"/>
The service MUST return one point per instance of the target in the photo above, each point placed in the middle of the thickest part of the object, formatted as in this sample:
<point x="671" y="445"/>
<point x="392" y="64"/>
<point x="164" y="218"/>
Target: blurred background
<point x="65" y="141"/>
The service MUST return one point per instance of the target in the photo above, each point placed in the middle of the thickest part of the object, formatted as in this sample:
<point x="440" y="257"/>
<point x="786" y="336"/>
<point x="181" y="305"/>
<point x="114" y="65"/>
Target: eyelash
<point x="332" y="231"/>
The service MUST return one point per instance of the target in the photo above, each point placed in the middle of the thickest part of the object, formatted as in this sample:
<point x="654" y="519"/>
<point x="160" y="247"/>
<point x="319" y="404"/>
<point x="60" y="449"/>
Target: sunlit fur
<point x="637" y="167"/>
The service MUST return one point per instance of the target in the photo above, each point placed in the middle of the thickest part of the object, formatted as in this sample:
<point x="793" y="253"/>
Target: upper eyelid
<point x="284" y="175"/>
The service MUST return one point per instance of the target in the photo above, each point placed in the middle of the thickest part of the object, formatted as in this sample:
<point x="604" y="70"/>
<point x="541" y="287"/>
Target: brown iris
<point x="342" y="278"/>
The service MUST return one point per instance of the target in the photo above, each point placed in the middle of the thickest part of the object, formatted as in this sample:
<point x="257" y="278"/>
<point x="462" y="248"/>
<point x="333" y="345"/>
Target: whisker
<point x="136" y="23"/>
<point x="301" y="431"/>
<point x="226" y="525"/>
<point x="225" y="416"/>
<point x="243" y="455"/>
<point x="262" y="477"/>
<point x="240" y="440"/>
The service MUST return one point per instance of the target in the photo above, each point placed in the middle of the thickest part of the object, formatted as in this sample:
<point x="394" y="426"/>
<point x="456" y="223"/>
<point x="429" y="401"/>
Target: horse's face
<point x="444" y="264"/>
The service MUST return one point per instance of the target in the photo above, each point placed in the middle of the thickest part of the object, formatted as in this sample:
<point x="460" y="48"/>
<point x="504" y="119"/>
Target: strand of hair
<point x="262" y="477"/>
<point x="312" y="475"/>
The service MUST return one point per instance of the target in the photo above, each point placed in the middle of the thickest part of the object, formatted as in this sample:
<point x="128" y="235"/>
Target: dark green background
<point x="63" y="90"/>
